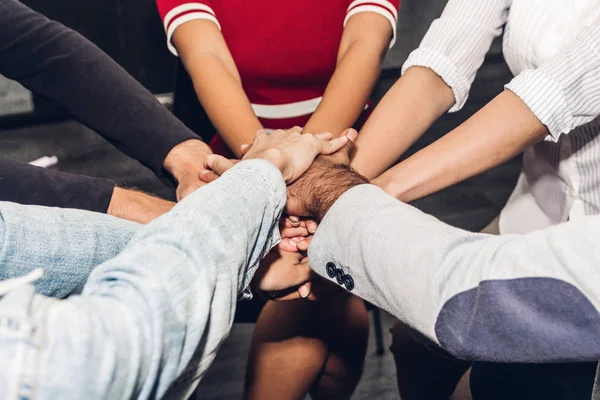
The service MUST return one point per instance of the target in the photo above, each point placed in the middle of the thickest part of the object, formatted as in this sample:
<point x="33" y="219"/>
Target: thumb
<point x="342" y="153"/>
<point x="218" y="164"/>
<point x="351" y="134"/>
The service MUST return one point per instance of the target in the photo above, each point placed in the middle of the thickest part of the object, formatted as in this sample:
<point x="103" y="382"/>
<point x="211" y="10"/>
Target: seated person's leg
<point x="68" y="244"/>
<point x="423" y="370"/>
<point x="304" y="346"/>
<point x="490" y="381"/>
<point x="348" y="320"/>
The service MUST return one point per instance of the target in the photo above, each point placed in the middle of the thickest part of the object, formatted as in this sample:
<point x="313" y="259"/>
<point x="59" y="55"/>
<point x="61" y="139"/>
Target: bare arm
<point x="217" y="82"/>
<point x="553" y="99"/>
<point x="415" y="102"/>
<point x="436" y="78"/>
<point x="499" y="131"/>
<point x="363" y="46"/>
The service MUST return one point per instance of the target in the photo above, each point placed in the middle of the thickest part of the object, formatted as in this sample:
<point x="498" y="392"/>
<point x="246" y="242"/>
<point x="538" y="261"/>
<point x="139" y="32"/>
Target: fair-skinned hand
<point x="294" y="230"/>
<point x="290" y="151"/>
<point x="186" y="162"/>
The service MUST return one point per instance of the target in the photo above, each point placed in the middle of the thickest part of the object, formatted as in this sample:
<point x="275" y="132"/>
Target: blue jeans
<point x="150" y="320"/>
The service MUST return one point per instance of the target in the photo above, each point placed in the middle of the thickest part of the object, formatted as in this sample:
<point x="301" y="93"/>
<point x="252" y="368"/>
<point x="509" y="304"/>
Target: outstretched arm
<point x="436" y="78"/>
<point x="553" y="99"/>
<point x="365" y="40"/>
<point x="529" y="298"/>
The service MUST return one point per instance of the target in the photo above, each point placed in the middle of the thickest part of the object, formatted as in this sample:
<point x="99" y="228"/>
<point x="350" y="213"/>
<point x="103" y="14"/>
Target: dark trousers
<point x="426" y="372"/>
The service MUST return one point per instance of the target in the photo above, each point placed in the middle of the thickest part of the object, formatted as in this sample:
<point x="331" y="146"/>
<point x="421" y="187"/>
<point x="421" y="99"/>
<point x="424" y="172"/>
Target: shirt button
<point x="340" y="275"/>
<point x="330" y="267"/>
<point x="348" y="282"/>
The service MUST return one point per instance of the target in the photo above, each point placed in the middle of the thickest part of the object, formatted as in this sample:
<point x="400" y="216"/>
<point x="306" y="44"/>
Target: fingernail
<point x="244" y="146"/>
<point x="210" y="160"/>
<point x="295" y="219"/>
<point x="352" y="134"/>
<point x="312" y="227"/>
<point x="304" y="291"/>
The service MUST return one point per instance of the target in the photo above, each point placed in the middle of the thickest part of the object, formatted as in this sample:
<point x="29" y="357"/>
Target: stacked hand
<point x="186" y="162"/>
<point x="284" y="274"/>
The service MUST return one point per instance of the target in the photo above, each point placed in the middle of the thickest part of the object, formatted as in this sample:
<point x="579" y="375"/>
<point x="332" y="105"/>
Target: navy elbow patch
<point x="520" y="320"/>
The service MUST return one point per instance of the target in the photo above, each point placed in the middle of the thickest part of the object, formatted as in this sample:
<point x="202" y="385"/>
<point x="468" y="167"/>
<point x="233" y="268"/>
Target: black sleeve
<point x="63" y="66"/>
<point x="26" y="184"/>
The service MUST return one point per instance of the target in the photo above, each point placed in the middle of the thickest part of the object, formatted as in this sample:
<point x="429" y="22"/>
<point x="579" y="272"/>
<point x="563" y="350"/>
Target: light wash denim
<point x="66" y="244"/>
<point x="150" y="320"/>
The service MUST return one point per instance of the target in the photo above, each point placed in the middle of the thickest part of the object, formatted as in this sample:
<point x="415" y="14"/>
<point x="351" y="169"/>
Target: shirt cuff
<point x="544" y="97"/>
<point x="272" y="176"/>
<point x="445" y="69"/>
<point x="562" y="92"/>
<point x="352" y="206"/>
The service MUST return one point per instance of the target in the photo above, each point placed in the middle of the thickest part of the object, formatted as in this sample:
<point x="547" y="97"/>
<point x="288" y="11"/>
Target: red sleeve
<point x="174" y="13"/>
<point x="386" y="8"/>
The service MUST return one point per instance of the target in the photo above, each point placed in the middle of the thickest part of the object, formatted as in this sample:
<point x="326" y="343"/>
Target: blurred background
<point x="130" y="31"/>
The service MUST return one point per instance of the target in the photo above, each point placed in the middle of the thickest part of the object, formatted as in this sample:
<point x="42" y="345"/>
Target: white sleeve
<point x="455" y="45"/>
<point x="564" y="92"/>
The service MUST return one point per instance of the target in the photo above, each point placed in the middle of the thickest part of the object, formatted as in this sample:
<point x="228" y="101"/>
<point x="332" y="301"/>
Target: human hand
<point x="290" y="151"/>
<point x="284" y="275"/>
<point x="294" y="230"/>
<point x="209" y="175"/>
<point x="186" y="162"/>
<point x="324" y="182"/>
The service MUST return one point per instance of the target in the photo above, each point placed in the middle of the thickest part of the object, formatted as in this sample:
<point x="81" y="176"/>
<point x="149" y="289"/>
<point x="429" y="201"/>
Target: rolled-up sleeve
<point x="564" y="92"/>
<point x="456" y="43"/>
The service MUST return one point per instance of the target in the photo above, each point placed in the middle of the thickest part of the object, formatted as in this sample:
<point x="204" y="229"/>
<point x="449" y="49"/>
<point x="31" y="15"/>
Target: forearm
<point x="348" y="90"/>
<point x="67" y="244"/>
<point x="224" y="100"/>
<point x="165" y="304"/>
<point x="481" y="297"/>
<point x="404" y="114"/>
<point x="26" y="184"/>
<point x="137" y="206"/>
<point x="436" y="78"/>
<point x="498" y="132"/>
<point x="63" y="66"/>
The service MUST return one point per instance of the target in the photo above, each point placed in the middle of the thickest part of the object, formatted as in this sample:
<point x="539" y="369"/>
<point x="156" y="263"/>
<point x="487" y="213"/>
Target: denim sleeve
<point x="63" y="66"/>
<point x="530" y="298"/>
<point x="149" y="321"/>
<point x="66" y="244"/>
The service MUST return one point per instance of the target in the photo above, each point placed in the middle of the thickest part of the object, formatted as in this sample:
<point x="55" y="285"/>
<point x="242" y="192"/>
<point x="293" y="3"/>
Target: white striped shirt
<point x="553" y="49"/>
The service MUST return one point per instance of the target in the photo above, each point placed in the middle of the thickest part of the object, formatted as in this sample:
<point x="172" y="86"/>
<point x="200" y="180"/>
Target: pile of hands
<point x="305" y="161"/>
